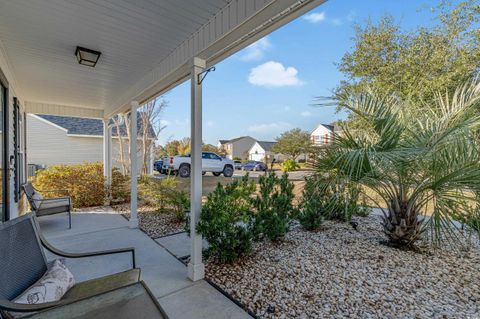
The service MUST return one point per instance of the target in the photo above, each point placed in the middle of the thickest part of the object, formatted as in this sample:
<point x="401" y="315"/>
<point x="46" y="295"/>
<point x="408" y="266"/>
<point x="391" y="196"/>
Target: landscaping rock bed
<point x="153" y="223"/>
<point x="339" y="272"/>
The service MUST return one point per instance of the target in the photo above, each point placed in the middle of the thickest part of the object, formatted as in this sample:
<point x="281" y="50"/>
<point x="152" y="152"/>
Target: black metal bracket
<point x="202" y="75"/>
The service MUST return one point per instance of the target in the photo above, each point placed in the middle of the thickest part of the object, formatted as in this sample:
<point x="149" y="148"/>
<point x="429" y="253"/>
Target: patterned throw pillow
<point x="51" y="287"/>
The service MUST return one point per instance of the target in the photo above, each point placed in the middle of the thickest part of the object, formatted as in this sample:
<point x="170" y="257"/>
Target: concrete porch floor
<point x="163" y="273"/>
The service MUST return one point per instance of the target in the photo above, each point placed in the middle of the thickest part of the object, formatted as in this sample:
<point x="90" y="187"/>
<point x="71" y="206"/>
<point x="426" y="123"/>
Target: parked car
<point x="158" y="166"/>
<point x="211" y="162"/>
<point x="254" y="166"/>
<point x="237" y="164"/>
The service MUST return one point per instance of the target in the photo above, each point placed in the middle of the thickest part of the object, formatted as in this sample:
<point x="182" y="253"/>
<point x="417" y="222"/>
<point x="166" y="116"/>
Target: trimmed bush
<point x="163" y="195"/>
<point x="313" y="206"/>
<point x="225" y="221"/>
<point x="273" y="207"/>
<point x="85" y="183"/>
<point x="289" y="165"/>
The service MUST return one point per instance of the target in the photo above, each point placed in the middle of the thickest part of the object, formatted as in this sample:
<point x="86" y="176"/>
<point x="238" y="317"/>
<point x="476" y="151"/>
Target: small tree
<point x="293" y="143"/>
<point x="415" y="64"/>
<point x="148" y="131"/>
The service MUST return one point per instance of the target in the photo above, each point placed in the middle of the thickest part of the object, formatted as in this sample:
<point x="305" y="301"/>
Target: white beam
<point x="196" y="269"/>
<point x="133" y="165"/>
<point x="62" y="110"/>
<point x="107" y="158"/>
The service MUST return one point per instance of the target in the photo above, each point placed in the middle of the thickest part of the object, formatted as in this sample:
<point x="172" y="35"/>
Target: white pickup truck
<point x="211" y="162"/>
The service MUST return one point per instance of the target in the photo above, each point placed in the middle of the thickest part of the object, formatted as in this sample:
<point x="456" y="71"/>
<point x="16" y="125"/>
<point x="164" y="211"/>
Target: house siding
<point x="48" y="144"/>
<point x="321" y="136"/>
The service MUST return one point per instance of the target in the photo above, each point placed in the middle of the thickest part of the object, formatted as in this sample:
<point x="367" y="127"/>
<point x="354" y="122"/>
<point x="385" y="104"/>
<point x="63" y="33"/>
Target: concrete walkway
<point x="163" y="273"/>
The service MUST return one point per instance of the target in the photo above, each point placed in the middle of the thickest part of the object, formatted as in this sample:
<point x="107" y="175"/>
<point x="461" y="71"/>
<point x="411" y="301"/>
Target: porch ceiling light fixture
<point x="87" y="57"/>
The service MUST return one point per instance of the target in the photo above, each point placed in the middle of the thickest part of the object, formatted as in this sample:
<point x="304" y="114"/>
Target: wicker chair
<point x="50" y="206"/>
<point x="23" y="262"/>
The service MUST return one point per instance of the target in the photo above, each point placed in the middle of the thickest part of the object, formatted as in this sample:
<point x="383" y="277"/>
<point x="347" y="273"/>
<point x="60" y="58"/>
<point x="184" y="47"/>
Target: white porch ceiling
<point x="145" y="44"/>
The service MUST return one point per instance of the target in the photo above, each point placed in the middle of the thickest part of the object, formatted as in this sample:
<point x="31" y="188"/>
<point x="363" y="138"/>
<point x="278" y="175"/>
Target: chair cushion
<point x="103" y="284"/>
<point x="53" y="206"/>
<point x="51" y="287"/>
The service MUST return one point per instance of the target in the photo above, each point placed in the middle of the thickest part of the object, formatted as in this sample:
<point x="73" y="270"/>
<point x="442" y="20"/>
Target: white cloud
<point x="270" y="128"/>
<point x="274" y="74"/>
<point x="210" y="123"/>
<point x="306" y="114"/>
<point x="256" y="50"/>
<point x="315" y="17"/>
<point x="164" y="123"/>
<point x="286" y="108"/>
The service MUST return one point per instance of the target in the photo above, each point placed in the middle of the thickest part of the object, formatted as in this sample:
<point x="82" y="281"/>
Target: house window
<point x="19" y="146"/>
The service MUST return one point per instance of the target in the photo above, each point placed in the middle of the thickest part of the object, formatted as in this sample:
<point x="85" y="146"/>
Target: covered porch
<point x="162" y="272"/>
<point x="140" y="51"/>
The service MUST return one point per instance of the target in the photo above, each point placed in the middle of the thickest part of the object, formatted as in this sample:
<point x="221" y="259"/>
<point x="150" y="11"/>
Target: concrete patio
<point x="163" y="273"/>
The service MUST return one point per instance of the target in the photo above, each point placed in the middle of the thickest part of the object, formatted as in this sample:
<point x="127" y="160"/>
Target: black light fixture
<point x="87" y="57"/>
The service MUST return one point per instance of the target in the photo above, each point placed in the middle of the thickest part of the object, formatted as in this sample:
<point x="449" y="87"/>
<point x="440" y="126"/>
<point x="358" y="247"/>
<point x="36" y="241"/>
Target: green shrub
<point x="346" y="203"/>
<point x="314" y="205"/>
<point x="163" y="195"/>
<point x="225" y="221"/>
<point x="325" y="199"/>
<point x="289" y="165"/>
<point x="273" y="207"/>
<point x="85" y="183"/>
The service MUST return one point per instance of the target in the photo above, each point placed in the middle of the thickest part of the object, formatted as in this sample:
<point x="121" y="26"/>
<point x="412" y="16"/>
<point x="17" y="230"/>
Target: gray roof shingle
<point x="88" y="127"/>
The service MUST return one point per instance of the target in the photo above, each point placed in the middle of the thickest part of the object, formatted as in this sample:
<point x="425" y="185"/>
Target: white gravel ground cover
<point x="153" y="223"/>
<point x="339" y="272"/>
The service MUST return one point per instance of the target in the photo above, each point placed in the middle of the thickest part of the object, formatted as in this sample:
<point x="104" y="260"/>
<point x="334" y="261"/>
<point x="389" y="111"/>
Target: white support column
<point x="196" y="269"/>
<point x="107" y="158"/>
<point x="151" y="160"/>
<point x="133" y="165"/>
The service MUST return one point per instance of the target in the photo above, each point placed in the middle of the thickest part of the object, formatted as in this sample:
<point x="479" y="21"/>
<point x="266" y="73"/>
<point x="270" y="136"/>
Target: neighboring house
<point x="237" y="147"/>
<point x="53" y="140"/>
<point x="262" y="151"/>
<point x="322" y="134"/>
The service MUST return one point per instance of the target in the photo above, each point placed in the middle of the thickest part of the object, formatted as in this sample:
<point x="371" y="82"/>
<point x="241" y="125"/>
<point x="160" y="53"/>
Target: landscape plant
<point x="289" y="165"/>
<point x="416" y="163"/>
<point x="273" y="207"/>
<point x="163" y="195"/>
<point x="226" y="220"/>
<point x="84" y="182"/>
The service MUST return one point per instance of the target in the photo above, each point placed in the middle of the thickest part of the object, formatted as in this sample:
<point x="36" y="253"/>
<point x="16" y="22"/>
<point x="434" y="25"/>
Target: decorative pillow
<point x="51" y="287"/>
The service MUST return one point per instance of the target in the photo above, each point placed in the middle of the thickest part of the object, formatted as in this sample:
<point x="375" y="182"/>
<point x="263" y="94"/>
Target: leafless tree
<point x="149" y="118"/>
<point x="151" y="126"/>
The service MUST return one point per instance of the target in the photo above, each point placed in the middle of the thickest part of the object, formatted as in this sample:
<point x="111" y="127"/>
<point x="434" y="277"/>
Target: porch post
<point x="107" y="154"/>
<point x="133" y="165"/>
<point x="196" y="269"/>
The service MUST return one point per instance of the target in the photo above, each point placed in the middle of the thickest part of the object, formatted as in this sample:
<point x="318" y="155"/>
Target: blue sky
<point x="270" y="86"/>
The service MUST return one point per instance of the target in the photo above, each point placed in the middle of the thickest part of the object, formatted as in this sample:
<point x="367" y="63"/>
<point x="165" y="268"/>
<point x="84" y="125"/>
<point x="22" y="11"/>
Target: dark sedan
<point x="157" y="165"/>
<point x="254" y="166"/>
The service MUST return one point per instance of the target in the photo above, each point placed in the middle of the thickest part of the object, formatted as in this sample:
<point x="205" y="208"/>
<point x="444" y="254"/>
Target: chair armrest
<point x="52" y="190"/>
<point x="61" y="253"/>
<point x="19" y="307"/>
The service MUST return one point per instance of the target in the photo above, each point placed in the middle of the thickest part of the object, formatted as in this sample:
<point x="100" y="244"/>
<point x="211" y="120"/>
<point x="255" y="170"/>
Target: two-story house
<point x="237" y="147"/>
<point x="322" y="134"/>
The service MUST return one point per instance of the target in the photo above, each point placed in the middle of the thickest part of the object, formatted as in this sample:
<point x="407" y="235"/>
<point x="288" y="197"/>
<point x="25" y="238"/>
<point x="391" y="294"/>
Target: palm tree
<point x="416" y="164"/>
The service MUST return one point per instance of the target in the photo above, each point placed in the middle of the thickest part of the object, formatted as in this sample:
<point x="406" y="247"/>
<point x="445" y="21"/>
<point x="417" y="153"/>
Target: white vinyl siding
<point x="51" y="145"/>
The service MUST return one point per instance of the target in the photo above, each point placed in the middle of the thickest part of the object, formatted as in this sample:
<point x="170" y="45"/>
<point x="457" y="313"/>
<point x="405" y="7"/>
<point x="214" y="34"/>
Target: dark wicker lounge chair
<point x="23" y="262"/>
<point x="43" y="207"/>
